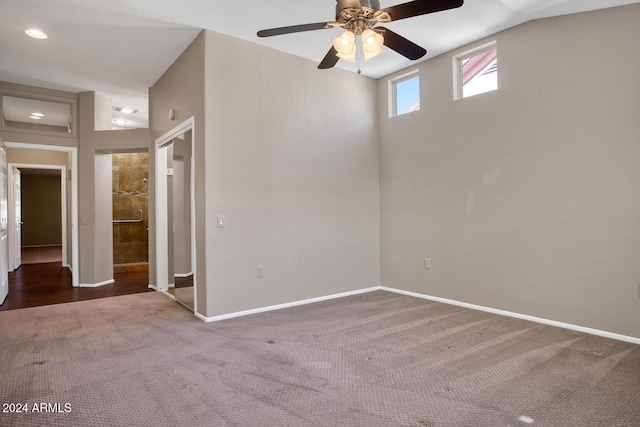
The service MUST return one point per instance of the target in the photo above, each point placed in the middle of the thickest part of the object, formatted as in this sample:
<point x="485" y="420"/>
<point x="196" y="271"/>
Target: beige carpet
<point x="377" y="359"/>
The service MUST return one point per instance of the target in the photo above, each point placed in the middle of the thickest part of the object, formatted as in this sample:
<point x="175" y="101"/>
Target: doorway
<point x="37" y="214"/>
<point x="70" y="236"/>
<point x="130" y="211"/>
<point x="175" y="215"/>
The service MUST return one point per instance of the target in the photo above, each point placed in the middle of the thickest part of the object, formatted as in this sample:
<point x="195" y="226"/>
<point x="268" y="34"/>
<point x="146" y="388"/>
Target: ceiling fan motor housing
<point x="357" y="16"/>
<point x="355" y="4"/>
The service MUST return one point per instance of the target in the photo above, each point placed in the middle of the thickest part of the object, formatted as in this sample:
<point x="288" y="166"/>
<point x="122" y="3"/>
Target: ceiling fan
<point x="363" y="39"/>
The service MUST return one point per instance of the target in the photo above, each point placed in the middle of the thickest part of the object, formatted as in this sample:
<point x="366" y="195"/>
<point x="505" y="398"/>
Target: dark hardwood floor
<point x="183" y="282"/>
<point x="33" y="285"/>
<point x="40" y="254"/>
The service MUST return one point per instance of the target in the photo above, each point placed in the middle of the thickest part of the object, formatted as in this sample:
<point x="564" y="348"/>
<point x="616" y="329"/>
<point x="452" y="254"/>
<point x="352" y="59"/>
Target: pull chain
<point x="359" y="52"/>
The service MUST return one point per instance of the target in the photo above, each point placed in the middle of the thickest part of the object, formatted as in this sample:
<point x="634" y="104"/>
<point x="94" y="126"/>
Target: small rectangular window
<point x="476" y="71"/>
<point x="405" y="94"/>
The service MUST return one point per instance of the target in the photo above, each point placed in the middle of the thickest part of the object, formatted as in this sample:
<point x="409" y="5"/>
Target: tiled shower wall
<point x="130" y="240"/>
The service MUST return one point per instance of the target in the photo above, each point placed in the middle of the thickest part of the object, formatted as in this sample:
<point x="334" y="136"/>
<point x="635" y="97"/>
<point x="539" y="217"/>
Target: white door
<point x="4" y="246"/>
<point x="17" y="220"/>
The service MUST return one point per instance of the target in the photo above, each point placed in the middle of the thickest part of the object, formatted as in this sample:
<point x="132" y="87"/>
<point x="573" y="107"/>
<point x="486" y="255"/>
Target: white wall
<point x="525" y="199"/>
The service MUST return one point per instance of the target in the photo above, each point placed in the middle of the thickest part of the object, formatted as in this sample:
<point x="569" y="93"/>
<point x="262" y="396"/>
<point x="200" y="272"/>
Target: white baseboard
<point x="286" y="305"/>
<point x="182" y="274"/>
<point x="96" y="285"/>
<point x="541" y="320"/>
<point x="570" y="326"/>
<point x="165" y="293"/>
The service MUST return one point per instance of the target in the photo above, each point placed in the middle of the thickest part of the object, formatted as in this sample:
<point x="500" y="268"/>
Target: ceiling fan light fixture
<point x="372" y="42"/>
<point x="345" y="45"/>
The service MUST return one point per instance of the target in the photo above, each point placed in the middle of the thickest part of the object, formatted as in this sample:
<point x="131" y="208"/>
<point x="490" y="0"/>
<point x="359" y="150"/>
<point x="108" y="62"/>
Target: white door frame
<point x="161" y="200"/>
<point x="63" y="190"/>
<point x="4" y="225"/>
<point x="75" y="264"/>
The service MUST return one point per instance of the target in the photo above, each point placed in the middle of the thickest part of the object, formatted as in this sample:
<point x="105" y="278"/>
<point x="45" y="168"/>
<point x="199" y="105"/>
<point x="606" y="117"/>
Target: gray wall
<point x="41" y="209"/>
<point x="292" y="167"/>
<point x="181" y="88"/>
<point x="525" y="199"/>
<point x="292" y="164"/>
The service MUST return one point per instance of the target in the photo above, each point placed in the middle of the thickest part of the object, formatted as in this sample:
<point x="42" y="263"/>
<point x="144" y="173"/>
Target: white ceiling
<point x="121" y="47"/>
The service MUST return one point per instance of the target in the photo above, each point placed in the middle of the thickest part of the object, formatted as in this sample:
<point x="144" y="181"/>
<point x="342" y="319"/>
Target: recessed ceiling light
<point x="36" y="34"/>
<point x="125" y="110"/>
<point x="35" y="117"/>
<point x="37" y="114"/>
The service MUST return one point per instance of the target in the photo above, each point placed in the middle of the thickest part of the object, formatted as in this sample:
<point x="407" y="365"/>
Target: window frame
<point x="458" y="89"/>
<point x="393" y="84"/>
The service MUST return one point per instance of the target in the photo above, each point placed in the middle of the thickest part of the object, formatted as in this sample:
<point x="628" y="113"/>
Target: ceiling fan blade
<point x="293" y="29"/>
<point x="401" y="45"/>
<point x="330" y="59"/>
<point x="421" y="7"/>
